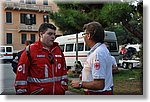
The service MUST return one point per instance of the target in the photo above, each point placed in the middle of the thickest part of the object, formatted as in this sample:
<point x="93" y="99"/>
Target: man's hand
<point x="75" y="84"/>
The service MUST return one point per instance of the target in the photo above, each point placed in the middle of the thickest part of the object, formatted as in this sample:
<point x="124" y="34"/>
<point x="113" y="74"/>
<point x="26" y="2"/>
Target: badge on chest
<point x="40" y="56"/>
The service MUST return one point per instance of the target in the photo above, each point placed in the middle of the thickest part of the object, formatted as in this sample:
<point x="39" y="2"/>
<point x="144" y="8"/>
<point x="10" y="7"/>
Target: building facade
<point x="21" y="20"/>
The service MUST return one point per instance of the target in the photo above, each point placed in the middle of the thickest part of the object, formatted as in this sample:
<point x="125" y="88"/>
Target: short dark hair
<point x="96" y="31"/>
<point x="43" y="27"/>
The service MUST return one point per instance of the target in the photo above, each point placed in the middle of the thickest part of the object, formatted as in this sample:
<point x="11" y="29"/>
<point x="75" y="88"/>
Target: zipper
<point x="53" y="70"/>
<point x="53" y="77"/>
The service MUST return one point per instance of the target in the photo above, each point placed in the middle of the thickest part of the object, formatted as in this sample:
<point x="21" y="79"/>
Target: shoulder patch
<point x="97" y="65"/>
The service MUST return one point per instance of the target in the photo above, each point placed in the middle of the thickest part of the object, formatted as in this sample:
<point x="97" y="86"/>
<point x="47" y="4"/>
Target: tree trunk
<point x="133" y="30"/>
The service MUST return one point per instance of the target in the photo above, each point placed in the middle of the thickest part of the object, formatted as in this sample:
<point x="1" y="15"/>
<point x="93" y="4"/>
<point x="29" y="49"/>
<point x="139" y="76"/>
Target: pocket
<point x="39" y="71"/>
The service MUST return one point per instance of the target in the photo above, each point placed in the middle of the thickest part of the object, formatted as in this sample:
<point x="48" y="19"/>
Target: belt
<point x="99" y="93"/>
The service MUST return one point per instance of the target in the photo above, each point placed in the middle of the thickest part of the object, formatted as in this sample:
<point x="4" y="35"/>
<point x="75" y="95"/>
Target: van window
<point x="2" y="49"/>
<point x="8" y="49"/>
<point x="112" y="46"/>
<point x="69" y="47"/>
<point x="80" y="46"/>
<point x="62" y="47"/>
<point x="87" y="48"/>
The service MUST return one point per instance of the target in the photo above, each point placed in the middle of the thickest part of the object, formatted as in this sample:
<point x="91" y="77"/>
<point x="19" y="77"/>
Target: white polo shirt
<point x="98" y="66"/>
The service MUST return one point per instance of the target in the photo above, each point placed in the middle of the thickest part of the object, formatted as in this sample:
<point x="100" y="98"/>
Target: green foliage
<point x="72" y="16"/>
<point x="116" y="12"/>
<point x="69" y="20"/>
<point x="140" y="55"/>
<point x="126" y="15"/>
<point x="123" y="36"/>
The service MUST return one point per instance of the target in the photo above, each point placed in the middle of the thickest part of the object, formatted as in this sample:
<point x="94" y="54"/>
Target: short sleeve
<point x="98" y="67"/>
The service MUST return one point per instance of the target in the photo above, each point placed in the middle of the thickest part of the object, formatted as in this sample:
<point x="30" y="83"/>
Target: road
<point x="7" y="80"/>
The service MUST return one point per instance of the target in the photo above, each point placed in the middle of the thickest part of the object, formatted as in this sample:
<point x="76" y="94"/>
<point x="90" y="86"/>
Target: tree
<point x="71" y="17"/>
<point x="69" y="21"/>
<point x="122" y="34"/>
<point x="125" y="14"/>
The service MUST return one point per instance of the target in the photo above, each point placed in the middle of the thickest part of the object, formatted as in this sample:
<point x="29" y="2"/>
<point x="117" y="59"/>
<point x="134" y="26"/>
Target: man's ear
<point x="88" y="36"/>
<point x="41" y="34"/>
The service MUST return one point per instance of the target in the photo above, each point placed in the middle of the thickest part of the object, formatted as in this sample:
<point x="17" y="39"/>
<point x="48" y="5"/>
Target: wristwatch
<point x="80" y="84"/>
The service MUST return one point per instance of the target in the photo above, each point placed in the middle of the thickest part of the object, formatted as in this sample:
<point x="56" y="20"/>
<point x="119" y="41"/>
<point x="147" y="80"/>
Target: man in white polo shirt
<point x="97" y="76"/>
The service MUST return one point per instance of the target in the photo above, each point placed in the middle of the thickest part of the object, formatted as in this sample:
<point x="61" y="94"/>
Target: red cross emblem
<point x="97" y="64"/>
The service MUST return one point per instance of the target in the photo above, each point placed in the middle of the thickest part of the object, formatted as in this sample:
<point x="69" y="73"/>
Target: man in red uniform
<point x="47" y="73"/>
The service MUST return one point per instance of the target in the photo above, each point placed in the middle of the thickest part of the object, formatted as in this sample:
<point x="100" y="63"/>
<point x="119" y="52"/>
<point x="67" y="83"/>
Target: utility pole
<point x="76" y="48"/>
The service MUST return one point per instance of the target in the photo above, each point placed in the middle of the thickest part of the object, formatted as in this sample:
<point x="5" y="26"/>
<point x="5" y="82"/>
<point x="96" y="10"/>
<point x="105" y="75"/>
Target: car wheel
<point x="130" y="66"/>
<point x="124" y="65"/>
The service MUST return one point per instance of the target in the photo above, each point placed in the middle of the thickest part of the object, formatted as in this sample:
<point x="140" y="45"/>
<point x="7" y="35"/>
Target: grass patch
<point x="126" y="82"/>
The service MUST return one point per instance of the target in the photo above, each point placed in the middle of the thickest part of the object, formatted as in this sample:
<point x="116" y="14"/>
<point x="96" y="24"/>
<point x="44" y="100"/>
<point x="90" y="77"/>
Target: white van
<point x="68" y="46"/>
<point x="6" y="53"/>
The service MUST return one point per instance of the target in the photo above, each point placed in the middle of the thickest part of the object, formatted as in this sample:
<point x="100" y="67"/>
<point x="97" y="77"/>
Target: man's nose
<point x="53" y="36"/>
